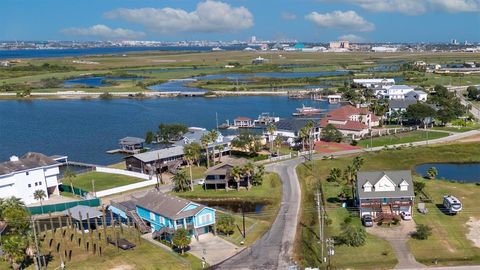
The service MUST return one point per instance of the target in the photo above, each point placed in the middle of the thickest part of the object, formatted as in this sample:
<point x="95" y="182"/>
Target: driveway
<point x="213" y="248"/>
<point x="398" y="237"/>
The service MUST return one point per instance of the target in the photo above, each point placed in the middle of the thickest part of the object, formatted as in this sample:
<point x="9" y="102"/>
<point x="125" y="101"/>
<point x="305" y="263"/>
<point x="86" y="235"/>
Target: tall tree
<point x="271" y="128"/>
<point x="248" y="171"/>
<point x="237" y="173"/>
<point x="149" y="137"/>
<point x="331" y="134"/>
<point x="181" y="182"/>
<point x="257" y="178"/>
<point x="70" y="175"/>
<point x="205" y="140"/>
<point x="171" y="132"/>
<point x="181" y="239"/>
<point x="420" y="112"/>
<point x="220" y="148"/>
<point x="191" y="153"/>
<point x="357" y="163"/>
<point x="335" y="175"/>
<point x="39" y="195"/>
<point x="213" y="134"/>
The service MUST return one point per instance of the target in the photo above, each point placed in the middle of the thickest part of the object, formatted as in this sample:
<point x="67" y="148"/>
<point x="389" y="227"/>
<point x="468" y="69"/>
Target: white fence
<point x="150" y="181"/>
<point x="123" y="172"/>
<point x="304" y="153"/>
<point x="116" y="190"/>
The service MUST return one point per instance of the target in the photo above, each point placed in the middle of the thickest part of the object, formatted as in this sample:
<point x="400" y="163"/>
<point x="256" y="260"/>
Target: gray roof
<point x="293" y="124"/>
<point x="401" y="103"/>
<point x="224" y="167"/>
<point x="195" y="135"/>
<point x="401" y="87"/>
<point x="131" y="140"/>
<point x="397" y="178"/>
<point x="83" y="210"/>
<point x="28" y="161"/>
<point x="165" y="205"/>
<point x="165" y="153"/>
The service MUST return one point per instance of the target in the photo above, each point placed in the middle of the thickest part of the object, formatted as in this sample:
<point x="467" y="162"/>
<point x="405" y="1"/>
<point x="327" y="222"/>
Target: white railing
<point x="123" y="172"/>
<point x="120" y="189"/>
<point x="304" y="153"/>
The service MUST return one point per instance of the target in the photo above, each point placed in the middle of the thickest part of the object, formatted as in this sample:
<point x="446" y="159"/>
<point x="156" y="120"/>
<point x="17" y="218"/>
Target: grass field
<point x="406" y="137"/>
<point x="197" y="172"/>
<point x="144" y="256"/>
<point x="367" y="256"/>
<point x="448" y="243"/>
<point x="102" y="180"/>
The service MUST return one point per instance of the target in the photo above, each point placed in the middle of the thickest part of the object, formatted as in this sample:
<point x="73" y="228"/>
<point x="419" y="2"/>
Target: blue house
<point x="164" y="214"/>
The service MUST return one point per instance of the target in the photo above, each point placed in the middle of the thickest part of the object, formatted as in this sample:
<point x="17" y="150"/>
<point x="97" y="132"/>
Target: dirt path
<point x="398" y="237"/>
<point x="474" y="231"/>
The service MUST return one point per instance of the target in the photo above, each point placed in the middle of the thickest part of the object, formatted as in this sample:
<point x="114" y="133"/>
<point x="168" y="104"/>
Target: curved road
<point x="274" y="250"/>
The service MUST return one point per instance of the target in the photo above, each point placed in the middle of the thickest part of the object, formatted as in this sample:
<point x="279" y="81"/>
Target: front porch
<point x="376" y="207"/>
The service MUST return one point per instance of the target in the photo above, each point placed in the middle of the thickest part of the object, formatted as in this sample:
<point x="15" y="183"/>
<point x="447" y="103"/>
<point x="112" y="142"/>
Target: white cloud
<point x="104" y="31"/>
<point x="287" y="16"/>
<point x="352" y="38"/>
<point x="209" y="17"/>
<point x="415" y="7"/>
<point x="348" y="20"/>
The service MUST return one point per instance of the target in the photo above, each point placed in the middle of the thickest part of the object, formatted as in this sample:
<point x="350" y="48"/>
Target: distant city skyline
<point x="304" y="20"/>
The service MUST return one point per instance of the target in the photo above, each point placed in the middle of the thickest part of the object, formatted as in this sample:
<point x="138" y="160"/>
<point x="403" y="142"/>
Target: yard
<point x="257" y="223"/>
<point x="406" y="137"/>
<point x="448" y="243"/>
<point x="377" y="250"/>
<point x="102" y="181"/>
<point x="144" y="256"/>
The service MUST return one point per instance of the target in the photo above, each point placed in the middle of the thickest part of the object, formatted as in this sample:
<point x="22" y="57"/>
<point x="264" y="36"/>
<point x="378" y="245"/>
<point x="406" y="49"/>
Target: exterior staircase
<point x="142" y="226"/>
<point x="173" y="167"/>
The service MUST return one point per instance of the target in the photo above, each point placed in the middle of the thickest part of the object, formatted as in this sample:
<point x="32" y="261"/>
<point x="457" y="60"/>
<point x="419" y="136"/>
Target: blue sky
<point x="306" y="20"/>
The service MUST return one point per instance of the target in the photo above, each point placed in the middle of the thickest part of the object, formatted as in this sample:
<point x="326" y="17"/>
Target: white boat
<point x="305" y="111"/>
<point x="216" y="49"/>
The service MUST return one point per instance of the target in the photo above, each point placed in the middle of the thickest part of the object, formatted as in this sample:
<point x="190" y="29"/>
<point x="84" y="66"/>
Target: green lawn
<point x="406" y="137"/>
<point x="448" y="243"/>
<point x="144" y="256"/>
<point x="102" y="180"/>
<point x="458" y="129"/>
<point x="271" y="189"/>
<point x="307" y="248"/>
<point x="254" y="227"/>
<point x="197" y="172"/>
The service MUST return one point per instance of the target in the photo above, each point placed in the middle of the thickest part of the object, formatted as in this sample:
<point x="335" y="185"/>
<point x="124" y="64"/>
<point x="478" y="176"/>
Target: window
<point x="206" y="218"/>
<point x="29" y="185"/>
<point x="152" y="216"/>
<point x="40" y="183"/>
<point x="162" y="220"/>
<point x="27" y="173"/>
<point x="36" y="184"/>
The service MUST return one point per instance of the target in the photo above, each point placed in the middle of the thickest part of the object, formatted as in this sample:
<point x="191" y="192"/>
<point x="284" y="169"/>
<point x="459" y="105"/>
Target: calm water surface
<point x="85" y="129"/>
<point x="463" y="172"/>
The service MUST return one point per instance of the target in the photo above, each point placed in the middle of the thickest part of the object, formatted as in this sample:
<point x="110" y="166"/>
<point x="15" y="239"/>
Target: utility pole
<point x="93" y="188"/>
<point x="320" y="222"/>
<point x="38" y="262"/>
<point x="243" y="220"/>
<point x="330" y="251"/>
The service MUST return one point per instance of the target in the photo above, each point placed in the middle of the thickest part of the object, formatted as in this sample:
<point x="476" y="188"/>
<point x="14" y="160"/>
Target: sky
<point x="304" y="20"/>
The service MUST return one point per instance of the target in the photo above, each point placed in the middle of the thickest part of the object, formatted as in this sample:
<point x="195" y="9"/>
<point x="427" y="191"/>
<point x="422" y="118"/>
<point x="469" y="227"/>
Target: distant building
<point x="21" y="177"/>
<point x="289" y="129"/>
<point x="384" y="49"/>
<point x="219" y="177"/>
<point x="259" y="60"/>
<point x="385" y="193"/>
<point x="4" y="63"/>
<point x="345" y="44"/>
<point x="401" y="92"/>
<point x="243" y="122"/>
<point x="351" y="121"/>
<point x="375" y="83"/>
<point x="131" y="145"/>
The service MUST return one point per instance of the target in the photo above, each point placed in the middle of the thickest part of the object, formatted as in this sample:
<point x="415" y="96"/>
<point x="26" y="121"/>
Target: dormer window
<point x="367" y="187"/>
<point x="404" y="186"/>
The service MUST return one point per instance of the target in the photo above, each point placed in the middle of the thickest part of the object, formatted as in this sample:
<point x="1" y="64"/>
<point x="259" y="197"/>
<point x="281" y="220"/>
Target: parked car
<point x="367" y="221"/>
<point x="406" y="216"/>
<point x="200" y="181"/>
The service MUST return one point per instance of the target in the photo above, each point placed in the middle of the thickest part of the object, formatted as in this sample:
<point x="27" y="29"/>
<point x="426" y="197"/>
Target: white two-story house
<point x="21" y="177"/>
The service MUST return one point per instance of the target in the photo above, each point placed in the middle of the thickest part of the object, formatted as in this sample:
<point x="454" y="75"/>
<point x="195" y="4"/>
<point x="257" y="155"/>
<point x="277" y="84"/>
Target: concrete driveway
<point x="398" y="237"/>
<point x="213" y="248"/>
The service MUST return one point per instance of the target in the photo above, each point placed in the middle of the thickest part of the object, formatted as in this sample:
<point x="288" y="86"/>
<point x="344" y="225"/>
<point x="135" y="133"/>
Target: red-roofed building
<point x="351" y="120"/>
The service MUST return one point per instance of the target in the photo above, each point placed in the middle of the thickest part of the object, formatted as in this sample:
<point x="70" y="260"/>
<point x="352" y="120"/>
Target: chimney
<point x="13" y="158"/>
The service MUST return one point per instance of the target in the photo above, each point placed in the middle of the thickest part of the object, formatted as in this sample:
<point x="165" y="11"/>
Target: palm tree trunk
<point x="191" y="176"/>
<point x="208" y="157"/>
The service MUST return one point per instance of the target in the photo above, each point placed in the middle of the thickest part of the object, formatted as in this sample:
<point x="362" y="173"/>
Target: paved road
<point x="459" y="90"/>
<point x="274" y="249"/>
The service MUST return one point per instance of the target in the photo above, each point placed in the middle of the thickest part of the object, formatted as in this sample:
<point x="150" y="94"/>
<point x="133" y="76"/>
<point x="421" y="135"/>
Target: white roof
<point x="400" y="87"/>
<point x="373" y="80"/>
<point x="160" y="154"/>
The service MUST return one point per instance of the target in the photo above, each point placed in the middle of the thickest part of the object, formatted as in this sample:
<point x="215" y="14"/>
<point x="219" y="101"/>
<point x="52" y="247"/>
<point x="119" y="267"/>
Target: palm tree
<point x="278" y="143"/>
<point x="205" y="140"/>
<point x="357" y="163"/>
<point x="248" y="171"/>
<point x="271" y="128"/>
<point x="335" y="174"/>
<point x="39" y="194"/>
<point x="181" y="182"/>
<point x="432" y="172"/>
<point x="213" y="134"/>
<point x="349" y="174"/>
<point x="237" y="173"/>
<point x="190" y="155"/>
<point x="303" y="134"/>
<point x="69" y="175"/>
<point x="220" y="148"/>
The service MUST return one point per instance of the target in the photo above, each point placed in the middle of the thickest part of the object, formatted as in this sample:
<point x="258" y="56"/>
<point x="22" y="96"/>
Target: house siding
<point x="198" y="218"/>
<point x="157" y="222"/>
